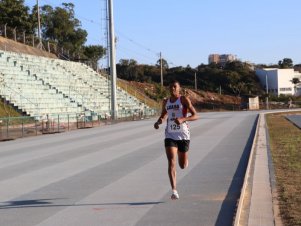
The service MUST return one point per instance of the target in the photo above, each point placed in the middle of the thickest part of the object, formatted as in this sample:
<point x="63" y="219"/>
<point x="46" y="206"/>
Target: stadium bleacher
<point x="40" y="86"/>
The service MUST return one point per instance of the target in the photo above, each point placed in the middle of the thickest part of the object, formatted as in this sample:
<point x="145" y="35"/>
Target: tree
<point x="164" y="64"/>
<point x="60" y="25"/>
<point x="285" y="63"/>
<point x="15" y="14"/>
<point x="93" y="53"/>
<point x="295" y="81"/>
<point x="128" y="69"/>
<point x="235" y="82"/>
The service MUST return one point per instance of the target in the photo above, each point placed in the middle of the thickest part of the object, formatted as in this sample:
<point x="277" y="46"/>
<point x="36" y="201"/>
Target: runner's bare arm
<point x="186" y="102"/>
<point x="162" y="116"/>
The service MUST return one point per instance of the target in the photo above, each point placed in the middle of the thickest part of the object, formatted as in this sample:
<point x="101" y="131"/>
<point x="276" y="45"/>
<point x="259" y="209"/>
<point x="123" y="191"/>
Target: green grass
<point x="285" y="142"/>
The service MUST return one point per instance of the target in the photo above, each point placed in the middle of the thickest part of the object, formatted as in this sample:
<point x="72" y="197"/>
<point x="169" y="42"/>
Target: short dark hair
<point x="174" y="81"/>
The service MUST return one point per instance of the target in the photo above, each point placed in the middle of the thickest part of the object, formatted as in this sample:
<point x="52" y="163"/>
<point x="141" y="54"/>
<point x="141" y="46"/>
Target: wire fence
<point x="19" y="35"/>
<point x="19" y="127"/>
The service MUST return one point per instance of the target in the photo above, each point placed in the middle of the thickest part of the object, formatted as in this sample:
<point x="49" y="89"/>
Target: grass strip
<point x="285" y="143"/>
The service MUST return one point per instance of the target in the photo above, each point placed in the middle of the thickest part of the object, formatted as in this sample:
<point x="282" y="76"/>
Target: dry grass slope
<point x="12" y="46"/>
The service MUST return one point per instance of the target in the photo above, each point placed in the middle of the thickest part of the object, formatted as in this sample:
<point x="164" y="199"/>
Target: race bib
<point x="174" y="128"/>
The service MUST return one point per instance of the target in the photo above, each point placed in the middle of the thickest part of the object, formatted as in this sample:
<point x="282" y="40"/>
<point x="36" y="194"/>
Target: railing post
<point x="5" y="34"/>
<point x="7" y="131"/>
<point x="36" y="126"/>
<point x="48" y="45"/>
<point x="77" y="121"/>
<point x="24" y="38"/>
<point x="22" y="127"/>
<point x="85" y="120"/>
<point x="15" y="34"/>
<point x="58" y="123"/>
<point x="68" y="121"/>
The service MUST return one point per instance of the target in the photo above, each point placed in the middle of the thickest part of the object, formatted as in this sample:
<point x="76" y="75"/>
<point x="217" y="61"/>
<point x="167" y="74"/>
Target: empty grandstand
<point x="40" y="86"/>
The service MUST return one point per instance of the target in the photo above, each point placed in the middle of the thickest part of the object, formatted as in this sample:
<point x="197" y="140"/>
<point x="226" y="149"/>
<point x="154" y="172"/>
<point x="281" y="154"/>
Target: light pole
<point x="161" y="69"/>
<point x="39" y="26"/>
<point x="195" y="82"/>
<point x="267" y="90"/>
<point x="112" y="61"/>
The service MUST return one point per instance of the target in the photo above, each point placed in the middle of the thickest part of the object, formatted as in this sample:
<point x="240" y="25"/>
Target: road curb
<point x="253" y="216"/>
<point x="238" y="216"/>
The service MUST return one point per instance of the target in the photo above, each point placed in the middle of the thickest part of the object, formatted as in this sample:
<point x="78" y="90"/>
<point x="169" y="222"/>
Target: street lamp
<point x="195" y="82"/>
<point x="113" y="72"/>
<point x="267" y="90"/>
<point x="161" y="70"/>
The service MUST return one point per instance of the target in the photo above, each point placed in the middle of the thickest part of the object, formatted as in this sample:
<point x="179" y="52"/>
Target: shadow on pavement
<point x="47" y="203"/>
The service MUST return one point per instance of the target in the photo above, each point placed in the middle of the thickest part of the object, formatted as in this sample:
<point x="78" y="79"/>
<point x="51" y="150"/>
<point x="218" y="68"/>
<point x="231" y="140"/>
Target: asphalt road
<point x="117" y="175"/>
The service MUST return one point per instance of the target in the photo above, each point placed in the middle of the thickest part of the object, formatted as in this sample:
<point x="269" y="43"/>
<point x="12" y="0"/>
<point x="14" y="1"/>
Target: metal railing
<point x="18" y="127"/>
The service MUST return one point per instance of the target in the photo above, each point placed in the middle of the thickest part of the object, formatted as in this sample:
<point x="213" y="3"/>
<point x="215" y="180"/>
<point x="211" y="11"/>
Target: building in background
<point x="279" y="81"/>
<point x="221" y="58"/>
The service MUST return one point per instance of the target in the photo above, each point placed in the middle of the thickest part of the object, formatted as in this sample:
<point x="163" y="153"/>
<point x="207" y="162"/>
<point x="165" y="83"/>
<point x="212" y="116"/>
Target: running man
<point x="177" y="134"/>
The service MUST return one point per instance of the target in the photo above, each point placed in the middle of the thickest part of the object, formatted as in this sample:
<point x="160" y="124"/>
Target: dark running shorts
<point x="182" y="145"/>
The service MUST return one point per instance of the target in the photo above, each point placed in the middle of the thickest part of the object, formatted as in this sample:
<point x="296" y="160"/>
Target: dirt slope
<point x="196" y="97"/>
<point x="10" y="45"/>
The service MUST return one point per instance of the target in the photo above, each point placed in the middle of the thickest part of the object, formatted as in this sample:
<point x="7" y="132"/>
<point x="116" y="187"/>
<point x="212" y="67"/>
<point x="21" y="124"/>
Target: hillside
<point x="12" y="46"/>
<point x="196" y="97"/>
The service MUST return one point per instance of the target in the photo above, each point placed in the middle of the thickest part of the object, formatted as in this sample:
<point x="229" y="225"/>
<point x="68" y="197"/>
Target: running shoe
<point x="174" y="195"/>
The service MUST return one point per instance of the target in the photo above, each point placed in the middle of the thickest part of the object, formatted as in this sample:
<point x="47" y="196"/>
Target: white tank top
<point x="172" y="130"/>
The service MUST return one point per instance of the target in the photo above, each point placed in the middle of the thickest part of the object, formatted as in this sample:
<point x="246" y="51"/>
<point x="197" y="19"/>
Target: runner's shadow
<point x="41" y="203"/>
<point x="24" y="203"/>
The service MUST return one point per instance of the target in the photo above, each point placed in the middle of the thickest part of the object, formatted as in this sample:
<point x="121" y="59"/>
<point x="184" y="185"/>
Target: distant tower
<point x="213" y="58"/>
<point x="221" y="59"/>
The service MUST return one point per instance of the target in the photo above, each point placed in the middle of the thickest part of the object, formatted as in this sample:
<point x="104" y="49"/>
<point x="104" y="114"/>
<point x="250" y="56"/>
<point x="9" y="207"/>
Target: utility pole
<point x="112" y="61"/>
<point x="195" y="82"/>
<point x="161" y="66"/>
<point x="39" y="26"/>
<point x="267" y="90"/>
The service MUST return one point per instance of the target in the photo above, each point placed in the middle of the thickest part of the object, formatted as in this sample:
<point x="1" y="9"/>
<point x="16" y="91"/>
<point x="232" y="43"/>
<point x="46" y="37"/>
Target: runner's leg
<point x="183" y="159"/>
<point x="171" y="153"/>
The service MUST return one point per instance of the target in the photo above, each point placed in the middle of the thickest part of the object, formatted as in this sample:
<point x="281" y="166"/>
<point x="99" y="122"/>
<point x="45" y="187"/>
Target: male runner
<point x="177" y="135"/>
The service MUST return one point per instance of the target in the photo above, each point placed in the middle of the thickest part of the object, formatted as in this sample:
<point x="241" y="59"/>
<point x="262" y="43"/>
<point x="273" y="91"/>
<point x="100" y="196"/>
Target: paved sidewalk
<point x="261" y="208"/>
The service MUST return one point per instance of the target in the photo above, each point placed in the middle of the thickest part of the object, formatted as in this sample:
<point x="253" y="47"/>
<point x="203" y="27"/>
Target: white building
<point x="279" y="81"/>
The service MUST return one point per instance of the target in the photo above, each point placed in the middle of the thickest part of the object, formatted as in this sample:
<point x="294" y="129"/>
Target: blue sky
<point x="186" y="32"/>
